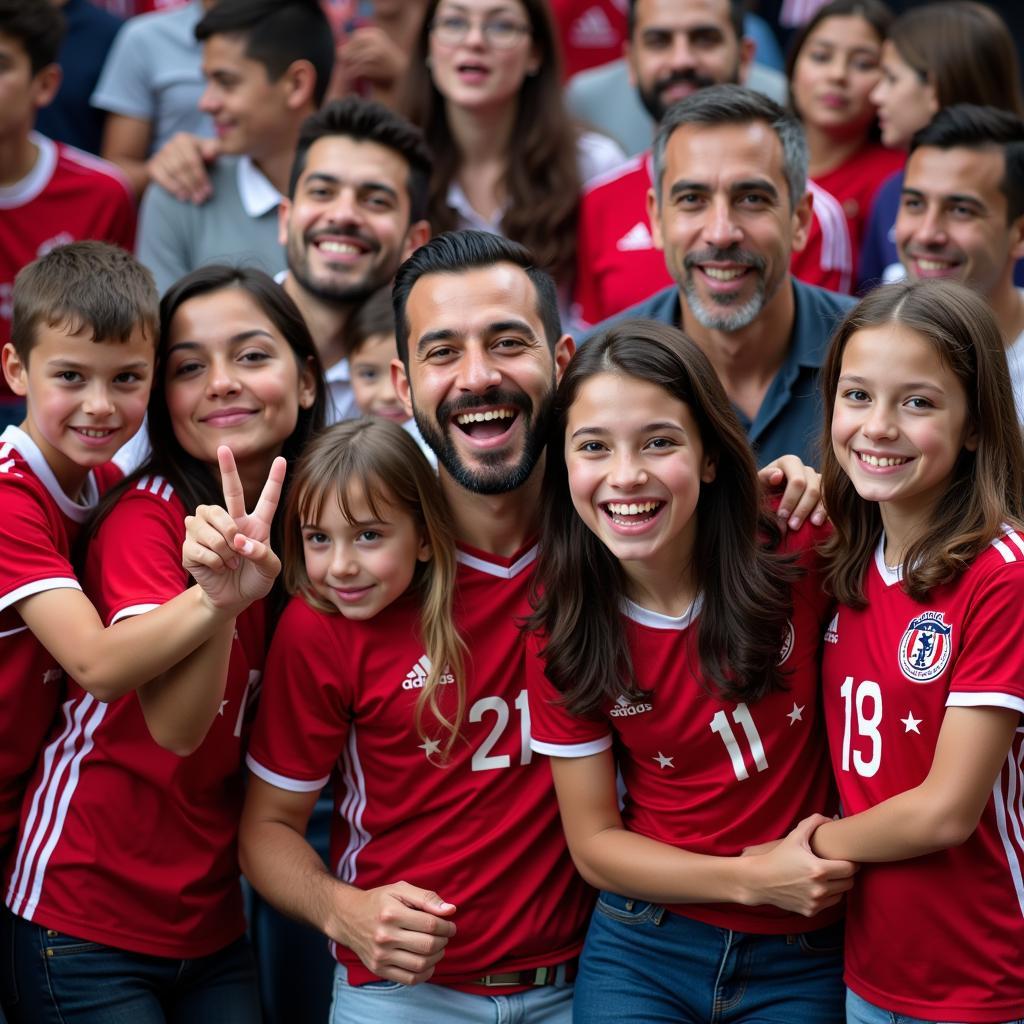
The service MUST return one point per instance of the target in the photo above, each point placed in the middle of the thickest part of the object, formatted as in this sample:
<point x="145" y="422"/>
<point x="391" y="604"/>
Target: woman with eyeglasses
<point x="485" y="87"/>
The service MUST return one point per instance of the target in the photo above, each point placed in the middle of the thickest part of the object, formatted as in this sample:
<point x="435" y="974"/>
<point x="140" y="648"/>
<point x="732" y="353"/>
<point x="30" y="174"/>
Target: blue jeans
<point x="860" y="1011"/>
<point x="643" y="964"/>
<point x="58" y="979"/>
<point x="390" y="1002"/>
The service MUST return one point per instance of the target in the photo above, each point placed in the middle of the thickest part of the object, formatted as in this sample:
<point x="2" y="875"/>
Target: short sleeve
<point x="553" y="730"/>
<point x="125" y="85"/>
<point x="163" y="236"/>
<point x="305" y="712"/>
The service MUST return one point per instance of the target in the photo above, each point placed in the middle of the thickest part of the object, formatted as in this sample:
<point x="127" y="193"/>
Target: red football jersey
<point x="703" y="773"/>
<point x="942" y="936"/>
<point x="618" y="266"/>
<point x="38" y="525"/>
<point x="122" y="842"/>
<point x="69" y="196"/>
<point x="482" y="830"/>
<point x="591" y="32"/>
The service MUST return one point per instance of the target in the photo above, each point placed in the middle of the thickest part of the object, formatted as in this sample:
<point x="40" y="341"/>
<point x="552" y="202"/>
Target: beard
<point x="725" y="312"/>
<point x="494" y="472"/>
<point x="338" y="290"/>
<point x="656" y="106"/>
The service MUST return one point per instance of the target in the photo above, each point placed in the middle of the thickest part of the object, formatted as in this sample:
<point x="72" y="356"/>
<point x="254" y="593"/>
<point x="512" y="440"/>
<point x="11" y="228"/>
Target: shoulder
<point x="103" y="178"/>
<point x="627" y="176"/>
<point x="596" y="155"/>
<point x="662" y="306"/>
<point x="821" y="300"/>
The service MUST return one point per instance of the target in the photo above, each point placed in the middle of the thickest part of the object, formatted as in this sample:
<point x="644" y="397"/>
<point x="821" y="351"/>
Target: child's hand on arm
<point x="801" y="498"/>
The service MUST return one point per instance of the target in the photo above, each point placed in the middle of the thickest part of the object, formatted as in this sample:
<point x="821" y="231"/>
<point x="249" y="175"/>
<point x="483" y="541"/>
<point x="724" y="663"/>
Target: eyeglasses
<point x="501" y="33"/>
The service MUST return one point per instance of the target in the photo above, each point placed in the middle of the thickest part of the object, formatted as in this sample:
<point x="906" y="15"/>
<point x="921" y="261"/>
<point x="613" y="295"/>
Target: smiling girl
<point x="126" y="880"/>
<point x="923" y="672"/>
<point x="681" y="651"/>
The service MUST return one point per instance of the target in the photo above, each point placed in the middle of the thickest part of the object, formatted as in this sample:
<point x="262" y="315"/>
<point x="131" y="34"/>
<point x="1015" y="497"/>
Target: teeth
<point x="717" y="274"/>
<point x="633" y="509"/>
<point x="873" y="460"/>
<point x="933" y="265"/>
<point x="483" y="417"/>
<point x="344" y="248"/>
<point x="93" y="433"/>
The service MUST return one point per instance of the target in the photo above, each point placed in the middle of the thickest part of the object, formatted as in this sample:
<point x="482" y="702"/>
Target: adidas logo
<point x="592" y="30"/>
<point x="625" y="708"/>
<point x="416" y="677"/>
<point x="832" y="633"/>
<point x="636" y="239"/>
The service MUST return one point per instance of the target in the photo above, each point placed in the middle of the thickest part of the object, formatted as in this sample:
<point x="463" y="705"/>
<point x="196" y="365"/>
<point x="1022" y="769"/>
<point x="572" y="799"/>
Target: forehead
<point x="57" y="342"/>
<point x="227" y="53"/>
<point x="356" y="162"/>
<point x="467" y="302"/>
<point x="221" y="313"/>
<point x="683" y="14"/>
<point x="957" y="171"/>
<point x="12" y="48"/>
<point x="850" y="30"/>
<point x="723" y="154"/>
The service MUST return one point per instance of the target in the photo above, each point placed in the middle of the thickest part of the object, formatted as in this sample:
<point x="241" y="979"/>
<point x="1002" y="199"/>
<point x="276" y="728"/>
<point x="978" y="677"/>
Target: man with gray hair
<point x="728" y="207"/>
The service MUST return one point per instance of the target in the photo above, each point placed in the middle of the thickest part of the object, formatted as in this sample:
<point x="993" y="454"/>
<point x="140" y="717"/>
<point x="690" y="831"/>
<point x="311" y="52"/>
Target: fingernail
<point x="234" y="563"/>
<point x="783" y="513"/>
<point x="794" y="523"/>
<point x="247" y="547"/>
<point x="446" y="906"/>
<point x="818" y="518"/>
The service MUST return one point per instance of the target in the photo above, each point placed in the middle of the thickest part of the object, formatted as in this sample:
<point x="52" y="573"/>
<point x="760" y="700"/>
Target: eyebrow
<point x="334" y="179"/>
<point x="645" y="429"/>
<point x="747" y="185"/>
<point x="71" y="364"/>
<point x="948" y="197"/>
<point x="910" y="385"/>
<point x="256" y="332"/>
<point x="498" y="327"/>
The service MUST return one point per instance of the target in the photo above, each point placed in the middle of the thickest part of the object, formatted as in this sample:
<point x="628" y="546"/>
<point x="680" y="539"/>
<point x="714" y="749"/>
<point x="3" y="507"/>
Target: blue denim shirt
<point x="789" y="420"/>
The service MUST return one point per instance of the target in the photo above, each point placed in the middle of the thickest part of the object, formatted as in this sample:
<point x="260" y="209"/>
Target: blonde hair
<point x="381" y="459"/>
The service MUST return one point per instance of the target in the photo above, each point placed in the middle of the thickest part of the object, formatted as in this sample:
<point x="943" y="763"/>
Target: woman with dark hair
<point x="126" y="867"/>
<point x="485" y="87"/>
<point x="677" y="641"/>
<point x="832" y="68"/>
<point x="957" y="51"/>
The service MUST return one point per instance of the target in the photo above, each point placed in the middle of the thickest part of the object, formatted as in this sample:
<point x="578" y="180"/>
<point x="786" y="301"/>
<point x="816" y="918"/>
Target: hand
<point x="758" y="849"/>
<point x="791" y="877"/>
<point x="179" y="166"/>
<point x="372" y="54"/>
<point x="226" y="549"/>
<point x="802" y="496"/>
<point x="398" y="931"/>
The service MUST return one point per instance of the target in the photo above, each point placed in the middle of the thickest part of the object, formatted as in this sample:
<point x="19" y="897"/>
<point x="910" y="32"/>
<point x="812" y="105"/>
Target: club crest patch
<point x="787" y="643"/>
<point x="925" y="647"/>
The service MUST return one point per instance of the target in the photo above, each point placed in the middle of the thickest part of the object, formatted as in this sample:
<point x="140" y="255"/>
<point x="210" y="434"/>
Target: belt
<point x="534" y="976"/>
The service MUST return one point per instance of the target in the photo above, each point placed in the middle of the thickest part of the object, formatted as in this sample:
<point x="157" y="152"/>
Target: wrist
<point x="746" y="883"/>
<point x="218" y="612"/>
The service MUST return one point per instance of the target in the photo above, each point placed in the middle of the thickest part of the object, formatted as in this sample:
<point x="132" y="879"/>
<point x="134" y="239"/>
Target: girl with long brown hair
<point x="923" y="669"/>
<point x="677" y="640"/>
<point x="485" y="88"/>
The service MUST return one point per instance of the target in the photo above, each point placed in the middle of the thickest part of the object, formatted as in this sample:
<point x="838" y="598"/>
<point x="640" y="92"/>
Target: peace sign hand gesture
<point x="227" y="550"/>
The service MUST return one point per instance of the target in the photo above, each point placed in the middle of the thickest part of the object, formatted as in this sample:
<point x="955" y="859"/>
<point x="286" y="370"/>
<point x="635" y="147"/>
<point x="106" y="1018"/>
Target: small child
<point x="369" y="345"/>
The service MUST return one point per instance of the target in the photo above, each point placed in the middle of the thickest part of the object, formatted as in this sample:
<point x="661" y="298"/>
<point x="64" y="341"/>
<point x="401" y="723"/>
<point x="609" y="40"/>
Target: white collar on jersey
<point x="890" y="573"/>
<point x="254" y="189"/>
<point x="29" y="451"/>
<point x="505" y="572"/>
<point x="24" y="191"/>
<point x="658" y="621"/>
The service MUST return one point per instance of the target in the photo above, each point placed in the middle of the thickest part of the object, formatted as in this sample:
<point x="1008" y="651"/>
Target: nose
<point x="931" y="229"/>
<point x="209" y="101"/>
<point x="626" y="471"/>
<point x="98" y="401"/>
<point x="344" y="209"/>
<point x="343" y="562"/>
<point x="681" y="54"/>
<point x="477" y="372"/>
<point x="222" y="379"/>
<point x="880" y="423"/>
<point x="879" y="92"/>
<point x="720" y="230"/>
<point x="475" y="35"/>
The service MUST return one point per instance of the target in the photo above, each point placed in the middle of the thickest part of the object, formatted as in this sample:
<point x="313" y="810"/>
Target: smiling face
<point x="473" y="73"/>
<point x="905" y="102"/>
<point x="725" y="221"/>
<point x="481" y="376"/>
<point x="362" y="565"/>
<point x="231" y="378"/>
<point x="636" y="464"/>
<point x="680" y="46"/>
<point x="370" y="371"/>
<point x="952" y="219"/>
<point x="347" y="227"/>
<point x="85" y="399"/>
<point x="834" y="74"/>
<point x="899" y="422"/>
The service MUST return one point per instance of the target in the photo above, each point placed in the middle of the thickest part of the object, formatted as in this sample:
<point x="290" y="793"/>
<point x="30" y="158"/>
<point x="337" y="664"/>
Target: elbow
<point x="179" y="744"/>
<point x="96" y="683"/>
<point x="953" y="830"/>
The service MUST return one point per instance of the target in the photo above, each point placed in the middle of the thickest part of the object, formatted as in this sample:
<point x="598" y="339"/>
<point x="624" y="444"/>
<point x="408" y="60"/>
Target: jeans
<point x="643" y="964"/>
<point x="390" y="1002"/>
<point x="860" y="1011"/>
<point x="58" y="979"/>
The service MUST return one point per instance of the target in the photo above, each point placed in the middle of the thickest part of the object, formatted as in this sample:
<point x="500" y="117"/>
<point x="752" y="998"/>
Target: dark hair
<point x="964" y="50"/>
<point x="277" y="33"/>
<point x="972" y="127"/>
<point x="737" y="11"/>
<point x="734" y="104"/>
<point x="374" y="317"/>
<point x="195" y="483"/>
<point x="38" y="26"/>
<point x="986" y="488"/>
<point x="580" y="584"/>
<point x="541" y="178"/>
<point x="368" y="121"/>
<point x="84" y="285"/>
<point x="455" y="252"/>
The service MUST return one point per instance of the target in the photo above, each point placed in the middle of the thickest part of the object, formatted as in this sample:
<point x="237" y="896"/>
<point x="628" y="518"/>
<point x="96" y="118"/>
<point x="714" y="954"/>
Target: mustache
<point x="733" y="254"/>
<point x="687" y="76"/>
<point x="350" y="232"/>
<point x="456" y="406"/>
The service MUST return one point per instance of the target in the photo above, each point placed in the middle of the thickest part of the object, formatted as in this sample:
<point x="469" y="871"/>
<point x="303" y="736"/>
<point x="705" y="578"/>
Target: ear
<point x="307" y="386"/>
<point x="424" y="553"/>
<point x="533" y="65"/>
<point x="564" y="349"/>
<point x="748" y="48"/>
<point x="300" y="83"/>
<point x="284" y="211"/>
<point x="708" y="469"/>
<point x="400" y="382"/>
<point x="15" y="371"/>
<point x="802" y="215"/>
<point x="654" y="218"/>
<point x="417" y="235"/>
<point x="1017" y="239"/>
<point x="627" y="52"/>
<point x="971" y="439"/>
<point x="45" y="84"/>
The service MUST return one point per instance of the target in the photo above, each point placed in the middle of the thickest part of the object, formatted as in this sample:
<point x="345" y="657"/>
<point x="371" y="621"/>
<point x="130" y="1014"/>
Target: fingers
<point x="231" y="483"/>
<point x="259" y="554"/>
<point x="180" y="167"/>
<point x="422" y="899"/>
<point x="270" y="496"/>
<point x="209" y="537"/>
<point x="801" y="499"/>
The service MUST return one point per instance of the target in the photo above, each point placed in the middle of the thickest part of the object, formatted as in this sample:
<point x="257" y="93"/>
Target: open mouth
<point x="95" y="433"/>
<point x="472" y="70"/>
<point x="882" y="461"/>
<point x="632" y="513"/>
<point x="486" y="424"/>
<point x="935" y="265"/>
